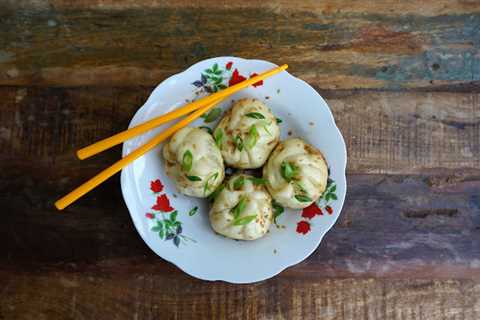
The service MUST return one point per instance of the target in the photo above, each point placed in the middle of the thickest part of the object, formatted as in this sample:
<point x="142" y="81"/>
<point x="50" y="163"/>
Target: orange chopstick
<point x="119" y="165"/>
<point x="130" y="133"/>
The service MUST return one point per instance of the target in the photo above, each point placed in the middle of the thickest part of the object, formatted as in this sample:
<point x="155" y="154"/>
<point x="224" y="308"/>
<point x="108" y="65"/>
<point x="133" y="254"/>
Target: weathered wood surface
<point x="402" y="79"/>
<point x="330" y="45"/>
<point x="99" y="295"/>
<point x="385" y="132"/>
<point x="429" y="212"/>
<point x="388" y="7"/>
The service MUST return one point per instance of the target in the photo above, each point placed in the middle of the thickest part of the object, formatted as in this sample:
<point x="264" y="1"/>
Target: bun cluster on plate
<point x="295" y="174"/>
<point x="250" y="132"/>
<point x="193" y="162"/>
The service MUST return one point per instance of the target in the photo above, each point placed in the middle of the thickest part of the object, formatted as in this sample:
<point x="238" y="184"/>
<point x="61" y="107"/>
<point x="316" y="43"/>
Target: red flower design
<point x="256" y="84"/>
<point x="163" y="204"/>
<point x="236" y="78"/>
<point x="311" y="211"/>
<point x="156" y="186"/>
<point x="303" y="227"/>
<point x="149" y="215"/>
<point x="329" y="209"/>
<point x="228" y="66"/>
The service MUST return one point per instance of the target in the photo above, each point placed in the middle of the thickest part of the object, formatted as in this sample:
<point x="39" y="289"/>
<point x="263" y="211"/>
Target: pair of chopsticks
<point x="196" y="109"/>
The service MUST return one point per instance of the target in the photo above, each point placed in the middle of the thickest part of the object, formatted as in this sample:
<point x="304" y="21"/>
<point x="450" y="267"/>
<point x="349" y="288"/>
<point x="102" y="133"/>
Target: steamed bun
<point x="296" y="174"/>
<point x="247" y="134"/>
<point x="242" y="210"/>
<point x="193" y="162"/>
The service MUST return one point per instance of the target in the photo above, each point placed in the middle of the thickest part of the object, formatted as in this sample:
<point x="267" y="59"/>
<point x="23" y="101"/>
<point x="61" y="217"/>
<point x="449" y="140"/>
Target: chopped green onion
<point x="212" y="177"/>
<point x="238" y="141"/>
<point x="252" y="137"/>
<point x="302" y="198"/>
<point x="288" y="170"/>
<point x="244" y="220"/>
<point x="218" y="137"/>
<point x="187" y="161"/>
<point x="212" y="115"/>
<point x="257" y="181"/>
<point x="193" y="211"/>
<point x="255" y="115"/>
<point x="277" y="210"/>
<point x="215" y="193"/>
<point x="209" y="130"/>
<point x="238" y="209"/>
<point x="238" y="183"/>
<point x="194" y="178"/>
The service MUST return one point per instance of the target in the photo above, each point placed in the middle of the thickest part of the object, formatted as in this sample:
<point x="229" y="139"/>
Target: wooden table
<point x="402" y="79"/>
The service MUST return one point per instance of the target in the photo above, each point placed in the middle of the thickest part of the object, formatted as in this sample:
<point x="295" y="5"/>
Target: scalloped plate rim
<point x="280" y="267"/>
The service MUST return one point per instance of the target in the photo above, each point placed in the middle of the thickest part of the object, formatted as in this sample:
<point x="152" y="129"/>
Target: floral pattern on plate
<point x="164" y="217"/>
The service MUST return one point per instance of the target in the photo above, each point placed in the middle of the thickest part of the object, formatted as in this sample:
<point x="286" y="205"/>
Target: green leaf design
<point x="279" y="120"/>
<point x="187" y="161"/>
<point x="213" y="115"/>
<point x="334" y="188"/>
<point x="244" y="220"/>
<point x="209" y="71"/>
<point x="218" y="80"/>
<point x="258" y="181"/>
<point x="207" y="183"/>
<point x="161" y="234"/>
<point x="302" y="198"/>
<point x="252" y="137"/>
<point x="215" y="67"/>
<point x="222" y="86"/>
<point x="238" y="183"/>
<point x="327" y="197"/>
<point x="176" y="241"/>
<point x="173" y="216"/>
<point x="333" y="196"/>
<point x="238" y="209"/>
<point x="238" y="141"/>
<point x="255" y="115"/>
<point x="156" y="229"/>
<point x="192" y="211"/>
<point x="218" y="136"/>
<point x="288" y="170"/>
<point x="168" y="224"/>
<point x="277" y="210"/>
<point x="194" y="178"/>
<point x="209" y="130"/>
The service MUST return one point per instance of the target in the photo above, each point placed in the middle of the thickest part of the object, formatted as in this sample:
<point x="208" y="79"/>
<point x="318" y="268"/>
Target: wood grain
<point x="385" y="132"/>
<point x="387" y="7"/>
<point x="428" y="211"/>
<point x="329" y="49"/>
<point x="96" y="295"/>
<point x="391" y="227"/>
<point x="401" y="77"/>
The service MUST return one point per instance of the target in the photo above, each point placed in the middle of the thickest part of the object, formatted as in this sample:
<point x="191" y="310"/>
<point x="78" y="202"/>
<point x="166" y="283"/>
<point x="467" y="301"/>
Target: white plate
<point x="197" y="250"/>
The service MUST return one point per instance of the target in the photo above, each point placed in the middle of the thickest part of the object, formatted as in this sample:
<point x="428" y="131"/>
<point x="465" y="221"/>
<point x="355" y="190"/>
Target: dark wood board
<point x="332" y="48"/>
<point x="401" y="77"/>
